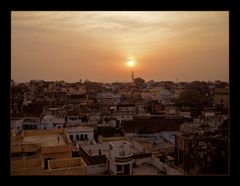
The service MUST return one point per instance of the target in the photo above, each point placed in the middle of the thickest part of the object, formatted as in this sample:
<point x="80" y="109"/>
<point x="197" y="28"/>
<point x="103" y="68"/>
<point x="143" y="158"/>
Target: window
<point x="59" y="127"/>
<point x="77" y="136"/>
<point x="81" y="137"/>
<point x="45" y="128"/>
<point x="17" y="127"/>
<point x="86" y="137"/>
<point x="119" y="168"/>
<point x="71" y="137"/>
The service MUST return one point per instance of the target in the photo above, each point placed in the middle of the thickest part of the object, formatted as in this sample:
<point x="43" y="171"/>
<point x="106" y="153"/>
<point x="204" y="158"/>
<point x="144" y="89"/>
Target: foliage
<point x="189" y="98"/>
<point x="139" y="81"/>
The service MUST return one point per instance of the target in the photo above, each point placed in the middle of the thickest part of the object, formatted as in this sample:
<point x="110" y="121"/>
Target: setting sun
<point x="131" y="63"/>
<point x="152" y="43"/>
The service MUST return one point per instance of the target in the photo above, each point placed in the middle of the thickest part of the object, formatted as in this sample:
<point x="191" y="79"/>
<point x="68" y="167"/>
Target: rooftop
<point x="50" y="137"/>
<point x="146" y="169"/>
<point x="46" y="140"/>
<point x="82" y="128"/>
<point x="135" y="147"/>
<point x="104" y="147"/>
<point x="66" y="163"/>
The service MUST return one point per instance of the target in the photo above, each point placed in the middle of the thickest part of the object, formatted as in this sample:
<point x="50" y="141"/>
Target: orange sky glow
<point x="165" y="45"/>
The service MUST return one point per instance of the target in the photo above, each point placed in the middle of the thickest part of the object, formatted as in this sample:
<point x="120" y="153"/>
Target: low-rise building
<point x="202" y="149"/>
<point x="44" y="152"/>
<point x="104" y="133"/>
<point x="30" y="123"/>
<point x="81" y="134"/>
<point x="115" y="157"/>
<point x="120" y="158"/>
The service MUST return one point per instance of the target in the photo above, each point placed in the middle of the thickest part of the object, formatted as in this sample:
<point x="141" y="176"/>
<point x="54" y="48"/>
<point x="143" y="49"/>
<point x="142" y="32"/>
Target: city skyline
<point x="165" y="45"/>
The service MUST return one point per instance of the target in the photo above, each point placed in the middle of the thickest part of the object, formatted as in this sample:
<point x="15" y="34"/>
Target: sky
<point x="95" y="45"/>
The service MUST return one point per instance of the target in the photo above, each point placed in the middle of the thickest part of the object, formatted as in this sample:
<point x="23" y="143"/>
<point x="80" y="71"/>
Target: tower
<point x="132" y="75"/>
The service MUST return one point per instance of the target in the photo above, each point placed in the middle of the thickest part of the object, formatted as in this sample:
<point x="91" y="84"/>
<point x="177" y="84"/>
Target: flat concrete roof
<point x="46" y="140"/>
<point x="80" y="128"/>
<point x="105" y="148"/>
<point x="146" y="169"/>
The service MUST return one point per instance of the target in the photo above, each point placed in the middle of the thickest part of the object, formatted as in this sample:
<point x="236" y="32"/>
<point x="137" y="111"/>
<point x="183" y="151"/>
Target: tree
<point x="189" y="98"/>
<point x="139" y="81"/>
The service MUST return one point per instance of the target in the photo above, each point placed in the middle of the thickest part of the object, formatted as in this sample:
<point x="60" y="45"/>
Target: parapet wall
<point x="67" y="162"/>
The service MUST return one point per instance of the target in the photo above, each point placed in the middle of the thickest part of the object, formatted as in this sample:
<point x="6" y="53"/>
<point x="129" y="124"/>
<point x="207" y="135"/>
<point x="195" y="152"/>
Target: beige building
<point x="44" y="152"/>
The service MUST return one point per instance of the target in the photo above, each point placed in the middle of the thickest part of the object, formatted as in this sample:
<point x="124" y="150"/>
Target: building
<point x="108" y="98"/>
<point x="159" y="94"/>
<point x="120" y="159"/>
<point x="202" y="149"/>
<point x="154" y="124"/>
<point x="44" y="152"/>
<point x="51" y="122"/>
<point x="47" y="122"/>
<point x="115" y="157"/>
<point x="30" y="123"/>
<point x="81" y="134"/>
<point x="104" y="133"/>
<point x="55" y="96"/>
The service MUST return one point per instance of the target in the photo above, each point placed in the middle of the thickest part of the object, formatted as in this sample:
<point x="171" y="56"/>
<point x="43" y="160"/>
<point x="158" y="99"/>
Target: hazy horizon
<point x="166" y="46"/>
<point x="111" y="81"/>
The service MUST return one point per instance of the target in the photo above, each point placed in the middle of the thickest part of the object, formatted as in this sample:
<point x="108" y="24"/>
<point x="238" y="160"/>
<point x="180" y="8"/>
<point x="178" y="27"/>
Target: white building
<point x="81" y="134"/>
<point x="120" y="158"/>
<point x="47" y="122"/>
<point x="51" y="121"/>
<point x="123" y="158"/>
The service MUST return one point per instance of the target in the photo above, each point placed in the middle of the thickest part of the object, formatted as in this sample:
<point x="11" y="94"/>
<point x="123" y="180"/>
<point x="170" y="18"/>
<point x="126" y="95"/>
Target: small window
<point x="77" y="137"/>
<point x="86" y="137"/>
<point x="59" y="127"/>
<point x="45" y="128"/>
<point x="71" y="137"/>
<point x="81" y="137"/>
<point x="119" y="168"/>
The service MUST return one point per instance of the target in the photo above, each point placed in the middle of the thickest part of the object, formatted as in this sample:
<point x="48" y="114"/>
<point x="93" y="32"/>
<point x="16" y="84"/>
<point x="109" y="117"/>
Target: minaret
<point x="132" y="76"/>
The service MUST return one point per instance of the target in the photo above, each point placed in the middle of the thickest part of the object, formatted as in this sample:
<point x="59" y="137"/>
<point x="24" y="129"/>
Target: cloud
<point x="101" y="35"/>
